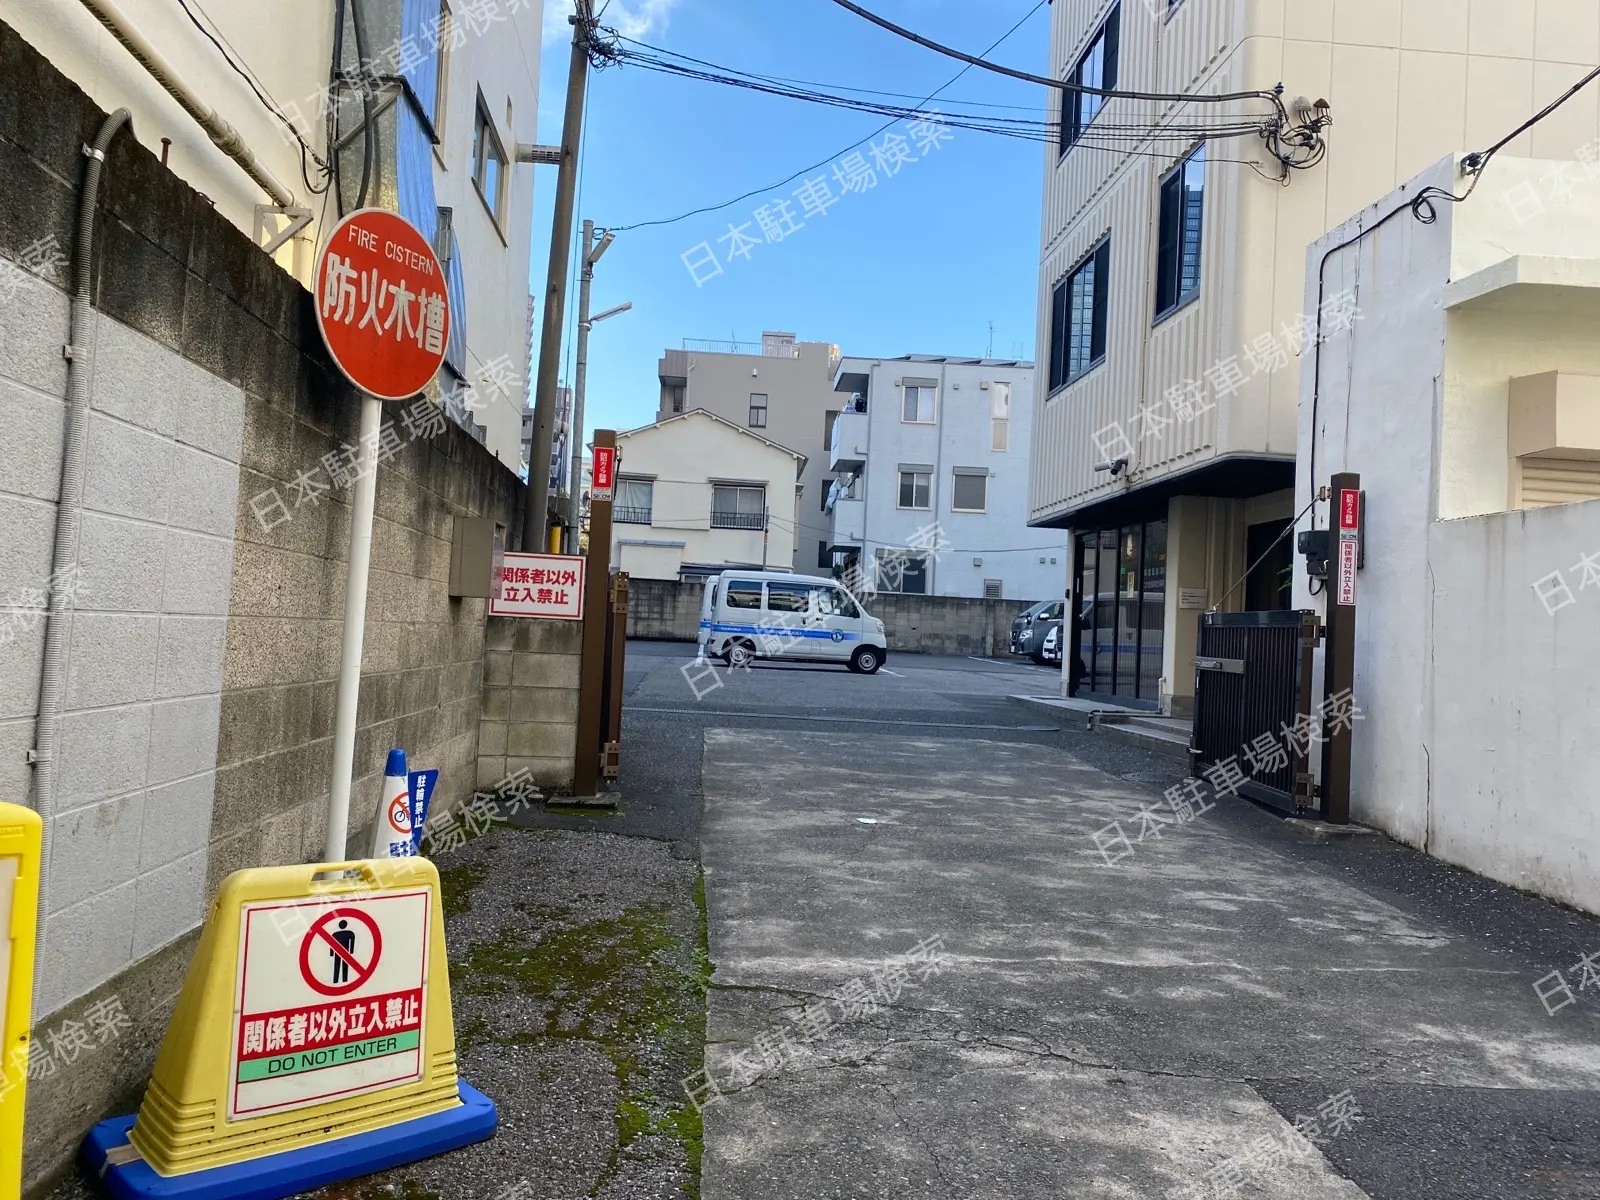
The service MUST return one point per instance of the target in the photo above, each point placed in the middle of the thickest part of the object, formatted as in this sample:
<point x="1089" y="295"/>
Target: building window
<point x="916" y="489"/>
<point x="734" y="506"/>
<point x="917" y="407"/>
<point x="1096" y="68"/>
<point x="1000" y="418"/>
<point x="1078" y="318"/>
<point x="635" y="501"/>
<point x="902" y="572"/>
<point x="824" y="557"/>
<point x="488" y="162"/>
<point x="1178" y="245"/>
<point x="828" y="418"/>
<point x="674" y="398"/>
<point x="758" y="411"/>
<point x="441" y="82"/>
<point x="969" y="490"/>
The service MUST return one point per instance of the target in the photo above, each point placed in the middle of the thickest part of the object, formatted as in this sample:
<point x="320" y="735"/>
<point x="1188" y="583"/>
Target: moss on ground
<point x="455" y="888"/>
<point x="624" y="984"/>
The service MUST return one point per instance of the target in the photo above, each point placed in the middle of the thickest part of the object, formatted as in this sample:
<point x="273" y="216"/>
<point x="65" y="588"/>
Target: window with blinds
<point x="969" y="491"/>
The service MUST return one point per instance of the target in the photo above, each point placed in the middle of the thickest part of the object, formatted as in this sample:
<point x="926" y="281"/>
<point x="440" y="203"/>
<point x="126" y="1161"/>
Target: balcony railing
<point x="630" y="516"/>
<point x="738" y="520"/>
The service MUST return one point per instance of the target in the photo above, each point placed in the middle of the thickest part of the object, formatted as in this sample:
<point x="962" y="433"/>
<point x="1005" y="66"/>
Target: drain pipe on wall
<point x="69" y="519"/>
<point x="228" y="139"/>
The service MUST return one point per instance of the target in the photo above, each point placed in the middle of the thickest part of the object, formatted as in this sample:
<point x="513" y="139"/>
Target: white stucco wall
<point x="685" y="457"/>
<point x="960" y="438"/>
<point x="1515" y="731"/>
<point x="1476" y="706"/>
<point x="503" y="64"/>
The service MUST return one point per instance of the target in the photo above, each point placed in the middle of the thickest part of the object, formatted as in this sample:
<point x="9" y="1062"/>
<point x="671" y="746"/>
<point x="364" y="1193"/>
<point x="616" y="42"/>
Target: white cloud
<point x="637" y="19"/>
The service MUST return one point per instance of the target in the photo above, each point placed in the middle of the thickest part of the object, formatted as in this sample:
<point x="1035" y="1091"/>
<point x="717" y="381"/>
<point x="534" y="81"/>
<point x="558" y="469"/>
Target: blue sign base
<point x="291" y="1172"/>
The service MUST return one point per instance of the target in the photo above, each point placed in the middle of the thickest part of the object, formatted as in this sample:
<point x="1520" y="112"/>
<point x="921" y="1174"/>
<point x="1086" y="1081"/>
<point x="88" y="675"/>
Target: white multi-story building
<point x="448" y="100"/>
<point x="930" y="497"/>
<point x="1172" y="274"/>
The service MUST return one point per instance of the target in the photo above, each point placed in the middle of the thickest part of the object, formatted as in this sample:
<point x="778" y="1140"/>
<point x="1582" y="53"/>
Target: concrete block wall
<point x="204" y="645"/>
<point x="669" y="610"/>
<point x="664" y="610"/>
<point x="145" y="638"/>
<point x="530" y="702"/>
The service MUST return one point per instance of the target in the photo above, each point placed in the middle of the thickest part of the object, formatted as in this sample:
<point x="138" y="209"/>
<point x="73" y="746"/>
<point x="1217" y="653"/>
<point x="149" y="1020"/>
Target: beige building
<point x="451" y="100"/>
<point x="697" y="494"/>
<point x="1172" y="274"/>
<point x="781" y="389"/>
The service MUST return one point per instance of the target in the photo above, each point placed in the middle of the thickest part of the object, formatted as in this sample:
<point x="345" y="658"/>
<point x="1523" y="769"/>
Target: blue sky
<point x="922" y="263"/>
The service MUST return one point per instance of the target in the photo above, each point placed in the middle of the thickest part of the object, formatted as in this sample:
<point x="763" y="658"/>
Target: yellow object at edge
<point x="20" y="832"/>
<point x="184" y="1123"/>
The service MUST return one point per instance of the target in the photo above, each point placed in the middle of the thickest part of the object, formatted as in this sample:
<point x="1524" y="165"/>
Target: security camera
<point x="1115" y="466"/>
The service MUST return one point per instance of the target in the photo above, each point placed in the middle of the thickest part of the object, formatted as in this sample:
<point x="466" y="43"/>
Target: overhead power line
<point x="856" y="145"/>
<point x="1061" y="85"/>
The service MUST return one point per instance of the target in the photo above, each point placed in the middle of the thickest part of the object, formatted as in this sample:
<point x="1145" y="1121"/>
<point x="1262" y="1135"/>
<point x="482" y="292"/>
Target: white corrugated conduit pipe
<point x="227" y="138"/>
<point x="69" y="519"/>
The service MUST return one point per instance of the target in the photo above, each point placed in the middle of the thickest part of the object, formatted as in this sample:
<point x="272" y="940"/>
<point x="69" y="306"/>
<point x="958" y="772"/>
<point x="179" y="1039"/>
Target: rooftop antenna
<point x="990" y="352"/>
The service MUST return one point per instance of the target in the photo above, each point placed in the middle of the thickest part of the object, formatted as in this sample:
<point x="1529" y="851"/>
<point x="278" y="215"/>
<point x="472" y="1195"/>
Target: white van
<point x="747" y="615"/>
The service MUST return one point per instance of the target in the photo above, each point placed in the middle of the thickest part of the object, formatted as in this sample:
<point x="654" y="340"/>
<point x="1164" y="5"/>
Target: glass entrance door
<point x="1121" y="611"/>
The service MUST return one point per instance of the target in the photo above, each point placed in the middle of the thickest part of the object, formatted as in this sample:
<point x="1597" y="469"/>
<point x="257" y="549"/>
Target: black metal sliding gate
<point x="1252" y="702"/>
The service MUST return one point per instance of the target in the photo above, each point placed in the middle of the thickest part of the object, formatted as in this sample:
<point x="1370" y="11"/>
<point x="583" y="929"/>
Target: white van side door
<point x="787" y="628"/>
<point x="838" y="618"/>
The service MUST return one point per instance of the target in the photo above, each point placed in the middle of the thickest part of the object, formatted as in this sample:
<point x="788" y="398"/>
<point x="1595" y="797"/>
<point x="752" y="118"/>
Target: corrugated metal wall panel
<point x="1091" y="192"/>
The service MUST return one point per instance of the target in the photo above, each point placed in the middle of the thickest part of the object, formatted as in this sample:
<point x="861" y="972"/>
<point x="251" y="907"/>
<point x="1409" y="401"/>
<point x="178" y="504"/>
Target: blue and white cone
<point x="391" y="832"/>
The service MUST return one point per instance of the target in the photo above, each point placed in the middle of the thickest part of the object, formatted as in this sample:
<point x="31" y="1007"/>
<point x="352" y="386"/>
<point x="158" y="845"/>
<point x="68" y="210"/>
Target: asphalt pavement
<point x="920" y="967"/>
<point x="1235" y="1007"/>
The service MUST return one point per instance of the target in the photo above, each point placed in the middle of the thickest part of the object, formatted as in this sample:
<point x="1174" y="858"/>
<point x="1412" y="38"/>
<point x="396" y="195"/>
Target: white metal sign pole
<point x="355" y="617"/>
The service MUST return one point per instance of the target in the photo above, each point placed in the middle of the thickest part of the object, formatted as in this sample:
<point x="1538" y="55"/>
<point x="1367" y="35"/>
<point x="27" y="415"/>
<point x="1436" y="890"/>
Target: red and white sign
<point x="383" y="304"/>
<point x="1349" y="512"/>
<point x="1347" y="572"/>
<point x="603" y="478"/>
<point x="1349" y="545"/>
<point x="539" y="585"/>
<point x="331" y="1000"/>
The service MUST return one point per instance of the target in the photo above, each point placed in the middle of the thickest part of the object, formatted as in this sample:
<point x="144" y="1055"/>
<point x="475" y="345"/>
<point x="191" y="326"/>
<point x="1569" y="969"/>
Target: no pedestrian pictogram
<point x="335" y="959"/>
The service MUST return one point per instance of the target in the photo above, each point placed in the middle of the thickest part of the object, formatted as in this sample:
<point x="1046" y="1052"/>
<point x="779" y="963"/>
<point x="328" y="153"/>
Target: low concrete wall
<point x="1514" y="694"/>
<point x="530" y="702"/>
<point x="669" y="611"/>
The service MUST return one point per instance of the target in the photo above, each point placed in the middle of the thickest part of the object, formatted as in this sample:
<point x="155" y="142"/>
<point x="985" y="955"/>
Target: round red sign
<point x="341" y="963"/>
<point x="383" y="304"/>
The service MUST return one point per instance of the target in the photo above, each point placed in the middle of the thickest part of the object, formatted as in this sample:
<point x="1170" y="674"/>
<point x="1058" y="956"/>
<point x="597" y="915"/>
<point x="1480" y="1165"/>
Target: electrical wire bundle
<point x="1293" y="142"/>
<point x="1104" y="134"/>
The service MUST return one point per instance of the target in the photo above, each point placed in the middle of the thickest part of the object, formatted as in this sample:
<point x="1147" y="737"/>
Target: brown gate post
<point x="596" y="603"/>
<point x="616" y="655"/>
<point x="1339" y="669"/>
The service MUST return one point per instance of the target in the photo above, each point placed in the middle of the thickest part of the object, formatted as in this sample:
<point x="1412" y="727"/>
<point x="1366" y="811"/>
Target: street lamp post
<point x="593" y="251"/>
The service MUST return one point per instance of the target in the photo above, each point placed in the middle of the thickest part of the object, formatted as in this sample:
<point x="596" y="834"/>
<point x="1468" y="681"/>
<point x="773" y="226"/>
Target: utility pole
<point x="536" y="514"/>
<point x="592" y="252"/>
